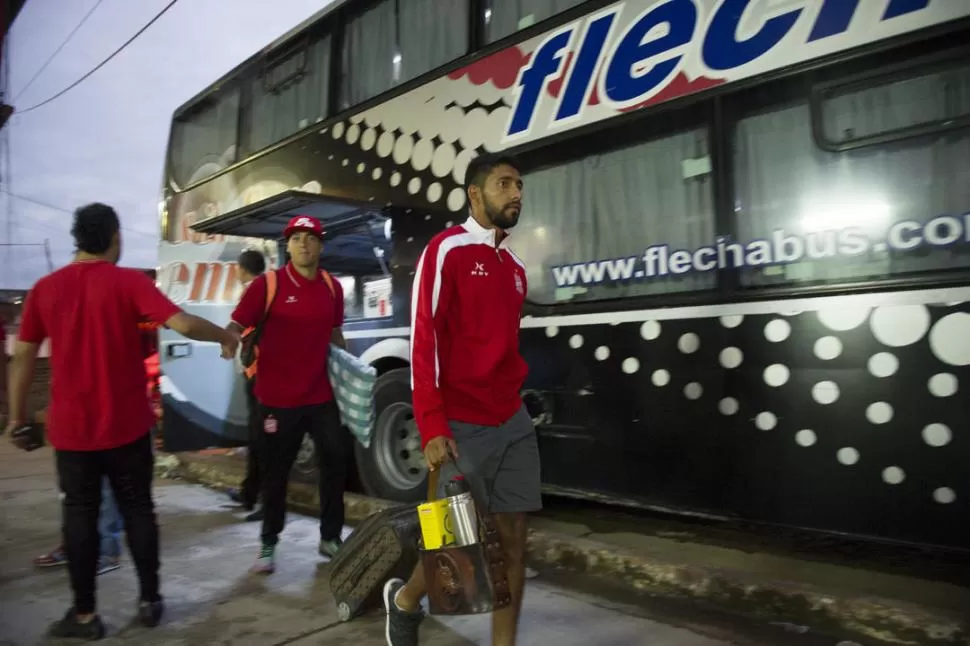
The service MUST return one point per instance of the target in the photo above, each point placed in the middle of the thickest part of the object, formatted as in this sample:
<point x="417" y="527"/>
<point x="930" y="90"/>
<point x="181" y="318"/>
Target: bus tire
<point x="393" y="467"/>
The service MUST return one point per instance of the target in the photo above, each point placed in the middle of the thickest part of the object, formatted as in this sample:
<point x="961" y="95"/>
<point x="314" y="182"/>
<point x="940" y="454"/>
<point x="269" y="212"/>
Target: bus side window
<point x="888" y="208"/>
<point x="899" y="103"/>
<point x="393" y="42"/>
<point x="288" y="94"/>
<point x="504" y="17"/>
<point x="366" y="297"/>
<point x="592" y="221"/>
<point x="204" y="140"/>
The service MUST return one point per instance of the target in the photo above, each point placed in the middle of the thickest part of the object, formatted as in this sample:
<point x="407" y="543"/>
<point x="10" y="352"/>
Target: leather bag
<point x="466" y="579"/>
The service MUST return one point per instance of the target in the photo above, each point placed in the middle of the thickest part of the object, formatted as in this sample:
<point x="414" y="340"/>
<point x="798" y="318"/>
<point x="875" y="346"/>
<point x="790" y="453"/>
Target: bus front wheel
<point x="393" y="467"/>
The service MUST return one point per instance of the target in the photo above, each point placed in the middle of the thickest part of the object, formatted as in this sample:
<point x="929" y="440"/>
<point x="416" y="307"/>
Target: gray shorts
<point x="500" y="463"/>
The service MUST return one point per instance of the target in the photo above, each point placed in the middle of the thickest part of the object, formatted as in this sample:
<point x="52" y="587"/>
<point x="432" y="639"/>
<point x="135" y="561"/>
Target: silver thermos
<point x="461" y="515"/>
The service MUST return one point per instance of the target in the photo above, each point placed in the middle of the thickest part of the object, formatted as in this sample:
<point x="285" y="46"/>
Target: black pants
<point x="254" y="477"/>
<point x="130" y="469"/>
<point x="279" y="449"/>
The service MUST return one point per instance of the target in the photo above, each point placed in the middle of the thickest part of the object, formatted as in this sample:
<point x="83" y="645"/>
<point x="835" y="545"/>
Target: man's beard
<point x="503" y="218"/>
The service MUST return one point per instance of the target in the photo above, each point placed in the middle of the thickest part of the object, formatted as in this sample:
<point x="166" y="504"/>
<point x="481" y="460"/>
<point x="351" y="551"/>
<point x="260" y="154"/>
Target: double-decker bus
<point x="745" y="222"/>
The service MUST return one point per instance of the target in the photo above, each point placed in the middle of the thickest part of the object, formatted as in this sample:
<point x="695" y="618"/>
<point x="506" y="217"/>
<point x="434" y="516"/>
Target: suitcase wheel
<point x="343" y="612"/>
<point x="360" y="577"/>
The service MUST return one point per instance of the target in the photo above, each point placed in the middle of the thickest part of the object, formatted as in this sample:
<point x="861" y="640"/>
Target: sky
<point x="105" y="139"/>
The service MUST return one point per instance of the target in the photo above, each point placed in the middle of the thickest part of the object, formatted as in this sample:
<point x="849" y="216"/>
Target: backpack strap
<point x="256" y="332"/>
<point x="270" y="292"/>
<point x="329" y="280"/>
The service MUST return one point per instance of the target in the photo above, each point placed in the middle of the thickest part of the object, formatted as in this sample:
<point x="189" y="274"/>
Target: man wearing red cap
<point x="292" y="387"/>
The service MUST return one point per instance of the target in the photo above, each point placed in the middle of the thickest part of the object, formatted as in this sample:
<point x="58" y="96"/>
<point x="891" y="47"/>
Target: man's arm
<point x="21" y="376"/>
<point x="155" y="306"/>
<point x="337" y="336"/>
<point x="3" y="364"/>
<point x="429" y="296"/>
<point x="196" y="327"/>
<point x="21" y="371"/>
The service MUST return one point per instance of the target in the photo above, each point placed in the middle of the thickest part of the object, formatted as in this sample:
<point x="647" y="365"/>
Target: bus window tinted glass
<point x="504" y="17"/>
<point x="396" y="41"/>
<point x="630" y="222"/>
<point x="203" y="140"/>
<point x="848" y="115"/>
<point x="287" y="94"/>
<point x="861" y="214"/>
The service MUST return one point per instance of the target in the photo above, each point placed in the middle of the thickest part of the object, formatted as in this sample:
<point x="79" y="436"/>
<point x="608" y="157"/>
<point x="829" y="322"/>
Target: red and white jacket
<point x="466" y="304"/>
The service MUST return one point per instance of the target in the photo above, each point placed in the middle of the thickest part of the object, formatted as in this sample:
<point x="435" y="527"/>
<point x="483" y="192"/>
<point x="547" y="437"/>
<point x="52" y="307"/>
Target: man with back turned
<point x="99" y="419"/>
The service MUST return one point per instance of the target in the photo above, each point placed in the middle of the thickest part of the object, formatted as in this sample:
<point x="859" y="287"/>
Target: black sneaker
<point x="401" y="627"/>
<point x="70" y="628"/>
<point x="150" y="612"/>
<point x="256" y="515"/>
<point x="236" y="496"/>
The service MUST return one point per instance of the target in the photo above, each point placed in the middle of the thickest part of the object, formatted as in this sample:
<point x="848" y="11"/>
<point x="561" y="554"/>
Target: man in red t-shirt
<point x="99" y="418"/>
<point x="292" y="385"/>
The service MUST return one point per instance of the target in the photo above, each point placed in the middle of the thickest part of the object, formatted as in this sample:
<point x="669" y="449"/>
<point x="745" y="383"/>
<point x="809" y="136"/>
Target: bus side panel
<point x="846" y="419"/>
<point x="203" y="396"/>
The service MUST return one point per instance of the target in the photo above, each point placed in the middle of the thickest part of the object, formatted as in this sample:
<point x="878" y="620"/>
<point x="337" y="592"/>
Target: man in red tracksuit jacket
<point x="466" y="377"/>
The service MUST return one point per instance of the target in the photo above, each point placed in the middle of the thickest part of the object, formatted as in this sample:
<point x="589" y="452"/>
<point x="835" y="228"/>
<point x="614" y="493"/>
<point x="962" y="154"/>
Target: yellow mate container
<point x="436" y="527"/>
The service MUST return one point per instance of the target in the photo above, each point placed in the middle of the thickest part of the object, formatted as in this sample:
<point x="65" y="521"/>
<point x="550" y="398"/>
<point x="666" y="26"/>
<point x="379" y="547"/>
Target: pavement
<point x="847" y="600"/>
<point x="212" y="599"/>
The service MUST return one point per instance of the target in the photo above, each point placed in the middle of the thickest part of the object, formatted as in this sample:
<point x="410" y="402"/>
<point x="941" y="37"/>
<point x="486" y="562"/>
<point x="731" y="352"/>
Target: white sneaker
<point x="266" y="561"/>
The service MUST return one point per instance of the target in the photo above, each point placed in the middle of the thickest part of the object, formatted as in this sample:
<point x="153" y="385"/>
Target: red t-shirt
<point x="90" y="312"/>
<point x="295" y="341"/>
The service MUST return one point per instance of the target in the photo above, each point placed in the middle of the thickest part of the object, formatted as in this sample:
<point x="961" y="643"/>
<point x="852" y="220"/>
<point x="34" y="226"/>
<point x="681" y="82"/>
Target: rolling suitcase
<point x="384" y="546"/>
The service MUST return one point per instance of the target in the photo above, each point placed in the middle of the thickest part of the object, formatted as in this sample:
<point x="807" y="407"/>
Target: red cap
<point x="303" y="223"/>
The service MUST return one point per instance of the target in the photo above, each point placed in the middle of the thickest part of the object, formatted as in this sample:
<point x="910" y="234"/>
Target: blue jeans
<point x="110" y="522"/>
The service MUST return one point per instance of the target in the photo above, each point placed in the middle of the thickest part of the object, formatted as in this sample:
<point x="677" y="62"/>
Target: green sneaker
<point x="266" y="561"/>
<point x="331" y="547"/>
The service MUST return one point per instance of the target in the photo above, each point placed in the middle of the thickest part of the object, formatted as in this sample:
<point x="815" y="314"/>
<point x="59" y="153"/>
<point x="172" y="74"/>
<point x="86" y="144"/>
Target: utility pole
<point x="8" y="12"/>
<point x="6" y="110"/>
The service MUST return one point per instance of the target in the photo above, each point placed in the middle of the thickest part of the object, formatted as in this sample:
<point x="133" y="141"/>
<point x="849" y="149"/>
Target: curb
<point x="873" y="618"/>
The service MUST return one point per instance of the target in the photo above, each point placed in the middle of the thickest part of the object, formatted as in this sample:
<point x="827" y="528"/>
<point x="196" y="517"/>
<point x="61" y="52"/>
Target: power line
<point x="54" y="207"/>
<point x="37" y="202"/>
<point x="102" y="63"/>
<point x="56" y="51"/>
